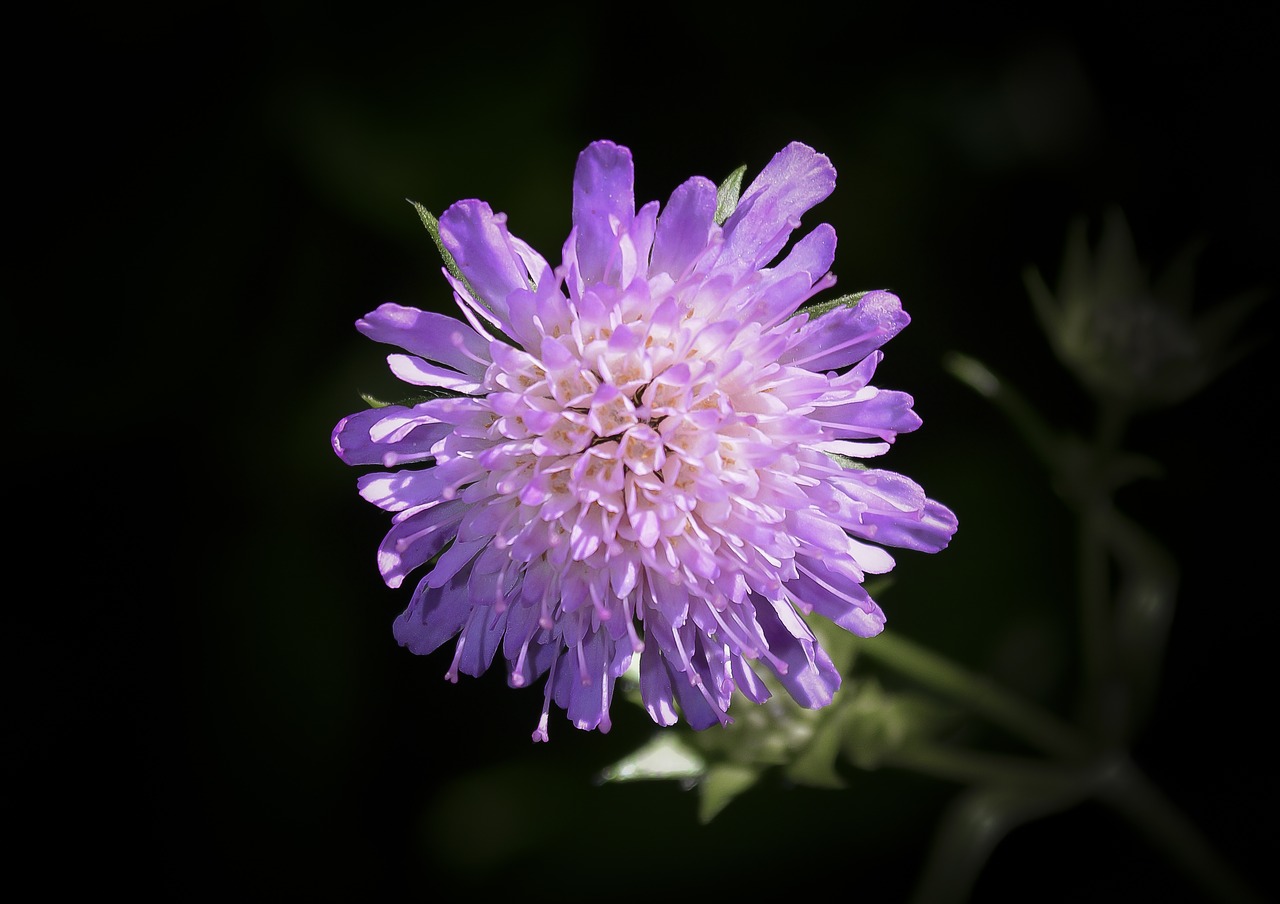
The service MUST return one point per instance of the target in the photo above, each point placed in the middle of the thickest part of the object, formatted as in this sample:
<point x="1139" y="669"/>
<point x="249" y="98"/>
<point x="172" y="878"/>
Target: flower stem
<point x="1094" y="627"/>
<point x="983" y="696"/>
<point x="1007" y="791"/>
<point x="1088" y="493"/>
<point x="969" y="767"/>
<point x="1131" y="793"/>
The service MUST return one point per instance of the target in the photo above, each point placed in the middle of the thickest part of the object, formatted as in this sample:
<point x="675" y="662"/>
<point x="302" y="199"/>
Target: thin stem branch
<point x="1088" y="493"/>
<point x="1095" y="620"/>
<point x="979" y="694"/>
<point x="969" y="767"/>
<point x="1136" y="797"/>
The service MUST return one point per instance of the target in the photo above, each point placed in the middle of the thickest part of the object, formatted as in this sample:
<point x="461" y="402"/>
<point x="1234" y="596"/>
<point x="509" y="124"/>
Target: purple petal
<point x="399" y="490"/>
<point x="478" y="240"/>
<point x="779" y="299"/>
<point x="436" y="337"/>
<point x="836" y="597"/>
<point x="811" y="678"/>
<point x="353" y="443"/>
<point x="535" y="311"/>
<point x="411" y="542"/>
<point x="519" y="647"/>
<point x="684" y="227"/>
<point x="454" y="559"/>
<point x="794" y="181"/>
<point x="479" y="641"/>
<point x="928" y="530"/>
<point x="418" y="372"/>
<point x="603" y="204"/>
<point x="816" y="530"/>
<point x="882" y="416"/>
<point x="749" y="682"/>
<point x="846" y="335"/>
<point x="434" y="615"/>
<point x="583" y="686"/>
<point x="695" y="706"/>
<point x="813" y="255"/>
<point x="655" y="686"/>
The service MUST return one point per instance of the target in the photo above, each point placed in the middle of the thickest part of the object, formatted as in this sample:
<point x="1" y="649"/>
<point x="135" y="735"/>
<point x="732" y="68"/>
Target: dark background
<point x="206" y="693"/>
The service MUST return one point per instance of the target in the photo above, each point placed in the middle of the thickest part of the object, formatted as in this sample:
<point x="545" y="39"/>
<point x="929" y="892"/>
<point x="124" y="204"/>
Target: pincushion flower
<point x="650" y="450"/>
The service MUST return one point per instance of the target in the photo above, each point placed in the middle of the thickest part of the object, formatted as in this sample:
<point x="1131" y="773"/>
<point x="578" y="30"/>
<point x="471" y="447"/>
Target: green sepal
<point x="433" y="229"/>
<point x="722" y="783"/>
<point x="817" y="309"/>
<point x="426" y="395"/>
<point x="727" y="195"/>
<point x="815" y="765"/>
<point x="876" y="723"/>
<point x="374" y="403"/>
<point x="844" y="461"/>
<point x="665" y="756"/>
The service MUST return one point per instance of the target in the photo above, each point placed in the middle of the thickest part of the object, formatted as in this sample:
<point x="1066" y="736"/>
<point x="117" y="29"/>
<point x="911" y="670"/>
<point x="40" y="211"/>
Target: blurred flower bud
<point x="1130" y="339"/>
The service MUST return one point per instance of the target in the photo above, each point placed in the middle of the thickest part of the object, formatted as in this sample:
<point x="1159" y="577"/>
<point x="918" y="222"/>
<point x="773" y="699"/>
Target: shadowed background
<point x="218" y="699"/>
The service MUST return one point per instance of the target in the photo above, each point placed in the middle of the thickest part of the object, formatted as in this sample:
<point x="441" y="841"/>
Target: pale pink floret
<point x="645" y="450"/>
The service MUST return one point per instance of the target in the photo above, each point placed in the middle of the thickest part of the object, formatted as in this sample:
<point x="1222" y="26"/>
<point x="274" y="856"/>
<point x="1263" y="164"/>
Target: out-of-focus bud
<point x="1128" y="338"/>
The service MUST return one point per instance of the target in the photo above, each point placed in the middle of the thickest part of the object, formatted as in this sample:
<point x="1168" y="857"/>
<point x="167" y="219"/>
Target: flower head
<point x="647" y="451"/>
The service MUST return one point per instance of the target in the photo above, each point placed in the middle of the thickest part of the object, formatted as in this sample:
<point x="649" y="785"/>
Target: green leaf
<point x="727" y="195"/>
<point x="816" y="764"/>
<point x="721" y="785"/>
<point x="666" y="756"/>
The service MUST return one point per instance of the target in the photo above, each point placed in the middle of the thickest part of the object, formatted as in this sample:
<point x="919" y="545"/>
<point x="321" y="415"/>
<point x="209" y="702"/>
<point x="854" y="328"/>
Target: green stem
<point x="968" y="767"/>
<point x="981" y="695"/>
<point x="1088" y="493"/>
<point x="1131" y="793"/>
<point x="1095" y="646"/>
<point x="1006" y="792"/>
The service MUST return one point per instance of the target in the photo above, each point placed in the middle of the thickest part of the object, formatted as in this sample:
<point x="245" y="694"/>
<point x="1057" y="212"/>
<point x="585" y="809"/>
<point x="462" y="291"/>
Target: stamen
<point x="743" y="644"/>
<point x="602" y="610"/>
<point x="540" y="733"/>
<point x="828" y="350"/>
<point x="517" y="668"/>
<point x="830" y="589"/>
<point x="637" y="645"/>
<point x="452" y="675"/>
<point x="584" y="674"/>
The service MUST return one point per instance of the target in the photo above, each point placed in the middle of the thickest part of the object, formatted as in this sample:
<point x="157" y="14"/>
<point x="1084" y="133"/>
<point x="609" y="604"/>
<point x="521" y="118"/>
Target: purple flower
<point x="649" y="451"/>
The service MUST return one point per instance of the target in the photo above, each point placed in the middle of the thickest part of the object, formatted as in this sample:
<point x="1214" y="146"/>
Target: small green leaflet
<point x="433" y="227"/>
<point x="727" y="195"/>
<point x="817" y="309"/>
<point x="426" y="395"/>
<point x="844" y="461"/>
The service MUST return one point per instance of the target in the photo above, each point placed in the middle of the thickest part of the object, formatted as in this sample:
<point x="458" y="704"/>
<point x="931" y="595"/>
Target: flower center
<point x="631" y="443"/>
